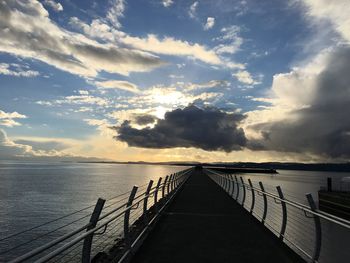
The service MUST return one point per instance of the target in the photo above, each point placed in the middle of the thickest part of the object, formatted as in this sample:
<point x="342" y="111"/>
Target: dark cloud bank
<point x="207" y="128"/>
<point x="322" y="129"/>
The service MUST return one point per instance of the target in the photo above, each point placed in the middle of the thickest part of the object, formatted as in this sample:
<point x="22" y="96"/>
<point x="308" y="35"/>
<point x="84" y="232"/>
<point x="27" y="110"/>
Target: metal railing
<point x="114" y="229"/>
<point x="313" y="234"/>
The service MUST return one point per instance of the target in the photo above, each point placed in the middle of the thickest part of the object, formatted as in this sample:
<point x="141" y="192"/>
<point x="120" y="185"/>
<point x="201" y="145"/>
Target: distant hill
<point x="335" y="167"/>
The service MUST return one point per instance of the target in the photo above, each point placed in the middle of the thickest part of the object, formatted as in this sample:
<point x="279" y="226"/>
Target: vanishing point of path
<point x="203" y="224"/>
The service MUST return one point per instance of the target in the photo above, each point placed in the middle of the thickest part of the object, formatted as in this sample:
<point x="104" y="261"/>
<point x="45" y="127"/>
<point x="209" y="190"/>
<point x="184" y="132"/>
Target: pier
<point x="195" y="215"/>
<point x="203" y="224"/>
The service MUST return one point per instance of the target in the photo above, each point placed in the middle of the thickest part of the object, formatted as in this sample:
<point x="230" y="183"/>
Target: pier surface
<point x="204" y="224"/>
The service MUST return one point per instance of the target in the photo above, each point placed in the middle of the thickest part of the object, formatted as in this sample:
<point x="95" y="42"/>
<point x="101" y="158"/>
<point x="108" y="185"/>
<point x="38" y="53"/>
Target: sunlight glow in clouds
<point x="70" y="72"/>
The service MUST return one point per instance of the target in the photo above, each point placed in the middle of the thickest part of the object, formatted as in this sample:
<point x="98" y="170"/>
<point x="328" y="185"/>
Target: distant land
<point x="332" y="167"/>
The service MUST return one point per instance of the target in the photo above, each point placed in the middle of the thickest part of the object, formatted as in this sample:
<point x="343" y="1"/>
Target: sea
<point x="33" y="193"/>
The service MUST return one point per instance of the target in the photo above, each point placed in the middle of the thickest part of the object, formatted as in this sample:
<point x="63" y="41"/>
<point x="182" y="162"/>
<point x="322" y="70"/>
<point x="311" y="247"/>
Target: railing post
<point x="169" y="183"/>
<point x="223" y="181"/>
<point x="173" y="185"/>
<point x="178" y="179"/>
<point x="145" y="201"/>
<point x="233" y="186"/>
<point x="318" y="230"/>
<point x="156" y="193"/>
<point x="86" y="254"/>
<point x="265" y="202"/>
<point x="164" y="185"/>
<point x="226" y="182"/>
<point x="284" y="212"/>
<point x="243" y="198"/>
<point x="237" y="194"/>
<point x="229" y="184"/>
<point x="127" y="216"/>
<point x="253" y="195"/>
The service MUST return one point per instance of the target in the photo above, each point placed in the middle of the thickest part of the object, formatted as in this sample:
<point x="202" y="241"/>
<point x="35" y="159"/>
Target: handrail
<point x="331" y="218"/>
<point x="102" y="222"/>
<point x="296" y="231"/>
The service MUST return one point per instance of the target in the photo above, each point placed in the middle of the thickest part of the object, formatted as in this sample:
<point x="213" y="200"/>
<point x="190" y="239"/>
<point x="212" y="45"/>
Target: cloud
<point x="9" y="149"/>
<point x="29" y="32"/>
<point x="231" y="40"/>
<point x="245" y="77"/>
<point x="102" y="125"/>
<point x="43" y="145"/>
<point x="16" y="71"/>
<point x="210" y="84"/>
<point x="193" y="10"/>
<point x="151" y="43"/>
<point x="117" y="84"/>
<point x="36" y="149"/>
<point x="171" y="46"/>
<point x="7" y="118"/>
<point x="115" y="12"/>
<point x="210" y="23"/>
<point x="206" y="128"/>
<point x="54" y="5"/>
<point x="167" y="3"/>
<point x="336" y="12"/>
<point x="83" y="92"/>
<point x="321" y="125"/>
<point x="144" y="119"/>
<point x="172" y="76"/>
<point x="169" y="97"/>
<point x="77" y="100"/>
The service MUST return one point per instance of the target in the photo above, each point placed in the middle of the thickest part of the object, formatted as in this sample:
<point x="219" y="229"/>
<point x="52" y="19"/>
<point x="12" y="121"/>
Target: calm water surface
<point x="34" y="193"/>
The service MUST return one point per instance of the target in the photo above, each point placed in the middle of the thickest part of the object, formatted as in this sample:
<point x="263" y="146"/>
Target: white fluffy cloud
<point x="335" y="11"/>
<point x="29" y="32"/>
<point x="16" y="71"/>
<point x="118" y="84"/>
<point x="54" y="5"/>
<point x="230" y="40"/>
<point x="193" y="10"/>
<point x="245" y="77"/>
<point x="7" y="118"/>
<point x="9" y="149"/>
<point x="210" y="23"/>
<point x="151" y="43"/>
<point x="167" y="3"/>
<point x="209" y="84"/>
<point x="77" y="100"/>
<point x="171" y="46"/>
<point x="116" y="11"/>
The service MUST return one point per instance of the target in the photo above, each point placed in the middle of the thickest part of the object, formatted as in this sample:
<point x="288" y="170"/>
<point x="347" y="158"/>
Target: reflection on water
<point x="34" y="193"/>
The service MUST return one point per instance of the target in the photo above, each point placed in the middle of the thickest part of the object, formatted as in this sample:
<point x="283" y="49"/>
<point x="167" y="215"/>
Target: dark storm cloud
<point x="323" y="128"/>
<point x="205" y="128"/>
<point x="144" y="119"/>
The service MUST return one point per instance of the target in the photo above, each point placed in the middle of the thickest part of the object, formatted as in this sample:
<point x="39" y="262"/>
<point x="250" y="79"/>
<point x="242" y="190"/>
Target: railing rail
<point x="289" y="226"/>
<point x="109" y="224"/>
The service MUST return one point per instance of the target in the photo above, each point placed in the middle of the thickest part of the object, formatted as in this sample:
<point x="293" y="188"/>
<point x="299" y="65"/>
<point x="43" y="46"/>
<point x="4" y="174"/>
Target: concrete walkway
<point x="203" y="224"/>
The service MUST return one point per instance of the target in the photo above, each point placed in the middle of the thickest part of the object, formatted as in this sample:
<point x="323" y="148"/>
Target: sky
<point x="172" y="80"/>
